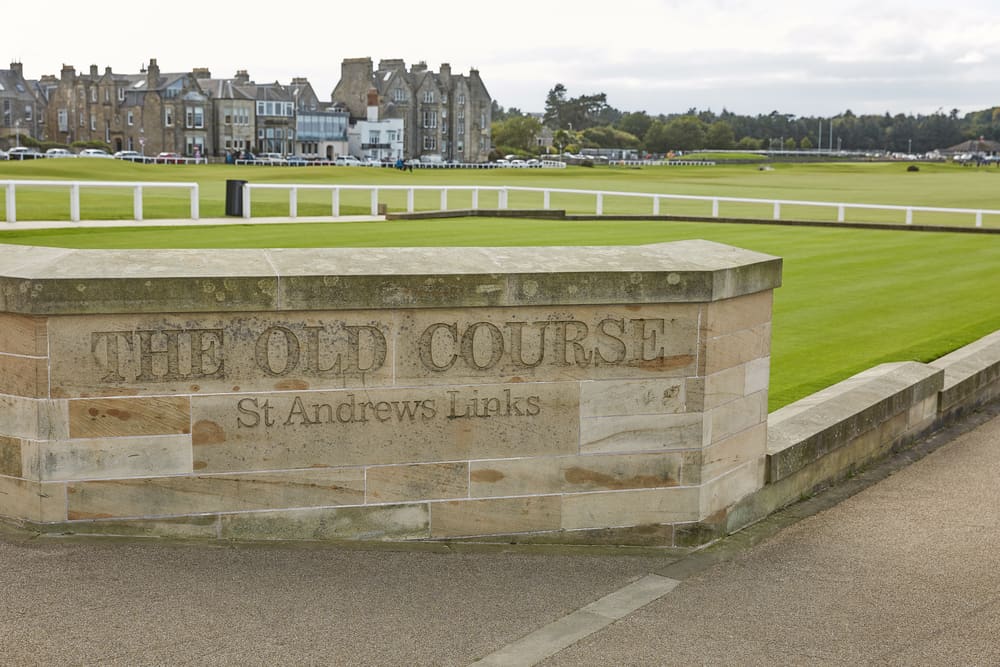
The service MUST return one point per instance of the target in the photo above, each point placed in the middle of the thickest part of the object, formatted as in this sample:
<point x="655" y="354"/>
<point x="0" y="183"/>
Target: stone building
<point x="232" y="123"/>
<point x="149" y="112"/>
<point x="445" y="116"/>
<point x="21" y="108"/>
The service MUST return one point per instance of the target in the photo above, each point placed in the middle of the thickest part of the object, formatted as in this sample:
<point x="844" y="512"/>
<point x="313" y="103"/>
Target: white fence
<point x="656" y="200"/>
<point x="74" y="188"/>
<point x="500" y="195"/>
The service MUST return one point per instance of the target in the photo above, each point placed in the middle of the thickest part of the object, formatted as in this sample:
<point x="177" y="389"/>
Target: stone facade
<point x="445" y="116"/>
<point x="319" y="394"/>
<point x="21" y="106"/>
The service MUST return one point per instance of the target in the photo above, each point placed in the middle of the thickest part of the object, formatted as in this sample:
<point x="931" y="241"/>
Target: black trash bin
<point x="234" y="198"/>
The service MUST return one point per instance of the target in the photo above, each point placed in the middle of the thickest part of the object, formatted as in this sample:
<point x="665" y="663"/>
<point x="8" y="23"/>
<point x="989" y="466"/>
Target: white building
<point x="374" y="138"/>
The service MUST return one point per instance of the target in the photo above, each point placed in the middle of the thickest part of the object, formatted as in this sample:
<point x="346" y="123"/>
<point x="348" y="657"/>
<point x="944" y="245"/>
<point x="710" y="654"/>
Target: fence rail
<point x="658" y="203"/>
<point x="10" y="187"/>
<point x="503" y="198"/>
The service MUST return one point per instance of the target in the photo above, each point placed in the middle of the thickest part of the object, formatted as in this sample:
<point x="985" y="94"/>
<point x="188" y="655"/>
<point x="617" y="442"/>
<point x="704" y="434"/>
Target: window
<point x="28" y="112"/>
<point x="429" y="97"/>
<point x="6" y="113"/>
<point x="398" y="95"/>
<point x="130" y="118"/>
<point x="461" y="99"/>
<point x="63" y="120"/>
<point x="430" y="119"/>
<point x="107" y="95"/>
<point x="121" y="94"/>
<point x="93" y="94"/>
<point x="82" y="120"/>
<point x="168" y="116"/>
<point x="429" y="142"/>
<point x="107" y="131"/>
<point x="373" y="137"/>
<point x="93" y="124"/>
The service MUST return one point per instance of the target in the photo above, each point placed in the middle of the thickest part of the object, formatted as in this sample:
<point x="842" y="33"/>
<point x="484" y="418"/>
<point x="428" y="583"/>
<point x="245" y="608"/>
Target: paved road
<point x="906" y="571"/>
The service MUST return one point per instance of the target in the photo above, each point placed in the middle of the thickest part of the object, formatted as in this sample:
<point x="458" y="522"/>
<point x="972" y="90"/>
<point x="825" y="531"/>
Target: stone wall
<point x="400" y="394"/>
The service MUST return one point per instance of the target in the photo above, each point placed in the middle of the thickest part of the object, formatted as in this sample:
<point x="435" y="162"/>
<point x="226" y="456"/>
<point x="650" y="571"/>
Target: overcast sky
<point x="659" y="56"/>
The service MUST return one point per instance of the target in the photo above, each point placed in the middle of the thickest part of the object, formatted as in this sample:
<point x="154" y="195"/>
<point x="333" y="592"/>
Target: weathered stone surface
<point x="736" y="416"/>
<point x="384" y="426"/>
<point x="971" y="374"/>
<point x="631" y="397"/>
<point x="35" y="419"/>
<point x="495" y="516"/>
<point x="47" y="281"/>
<point x="630" y="508"/>
<point x="10" y="456"/>
<point x="110" y="417"/>
<point x="641" y="433"/>
<point x="24" y="376"/>
<point x="733" y="315"/>
<point x="107" y="458"/>
<point x="736" y="348"/>
<point x="23" y="335"/>
<point x="733" y="452"/>
<point x="574" y="474"/>
<point x="431" y="481"/>
<point x="164" y="496"/>
<point x="33" y="501"/>
<point x="379" y="522"/>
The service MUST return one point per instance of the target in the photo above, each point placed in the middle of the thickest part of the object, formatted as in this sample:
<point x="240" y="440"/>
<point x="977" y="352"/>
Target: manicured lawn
<point x="851" y="298"/>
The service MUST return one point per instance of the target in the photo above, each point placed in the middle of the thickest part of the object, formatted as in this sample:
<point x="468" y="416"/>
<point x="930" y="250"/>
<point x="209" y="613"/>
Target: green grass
<point x="850" y="299"/>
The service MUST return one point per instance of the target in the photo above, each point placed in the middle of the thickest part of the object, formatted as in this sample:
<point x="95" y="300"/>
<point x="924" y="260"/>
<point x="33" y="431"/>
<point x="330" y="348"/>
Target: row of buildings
<point x="388" y="112"/>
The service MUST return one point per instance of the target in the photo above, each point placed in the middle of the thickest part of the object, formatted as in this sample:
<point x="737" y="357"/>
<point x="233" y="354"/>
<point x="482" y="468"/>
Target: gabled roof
<point x="223" y="89"/>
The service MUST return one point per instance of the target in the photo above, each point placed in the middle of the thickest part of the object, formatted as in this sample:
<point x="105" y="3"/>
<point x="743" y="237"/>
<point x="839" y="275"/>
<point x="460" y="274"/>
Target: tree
<point x="635" y="123"/>
<point x="720" y="135"/>
<point x="806" y="144"/>
<point x="555" y="103"/>
<point x="686" y="133"/>
<point x="517" y="133"/>
<point x="609" y="137"/>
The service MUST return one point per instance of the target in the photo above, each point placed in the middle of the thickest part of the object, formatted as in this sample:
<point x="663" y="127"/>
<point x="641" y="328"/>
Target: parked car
<point x="22" y="153"/>
<point x="131" y="156"/>
<point x="348" y="161"/>
<point x="273" y="158"/>
<point x="3" y="155"/>
<point x="58" y="152"/>
<point x="94" y="152"/>
<point x="168" y="158"/>
<point x="296" y="161"/>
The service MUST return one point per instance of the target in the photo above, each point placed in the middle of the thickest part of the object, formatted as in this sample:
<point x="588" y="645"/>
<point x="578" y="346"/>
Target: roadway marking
<point x="566" y="631"/>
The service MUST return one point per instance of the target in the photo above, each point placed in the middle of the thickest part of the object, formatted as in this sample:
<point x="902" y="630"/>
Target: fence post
<point x="374" y="201"/>
<point x="11" y="204"/>
<point x="409" y="200"/>
<point x="656" y="205"/>
<point x="715" y="208"/>
<point x="293" y="202"/>
<point x="137" y="203"/>
<point x="777" y="210"/>
<point x="74" y="202"/>
<point x="475" y="198"/>
<point x="444" y="199"/>
<point x="841" y="213"/>
<point x="547" y="199"/>
<point x="335" y="203"/>
<point x="600" y="203"/>
<point x="979" y="218"/>
<point x="909" y="216"/>
<point x="195" y="212"/>
<point x="502" y="198"/>
<point x="246" y="200"/>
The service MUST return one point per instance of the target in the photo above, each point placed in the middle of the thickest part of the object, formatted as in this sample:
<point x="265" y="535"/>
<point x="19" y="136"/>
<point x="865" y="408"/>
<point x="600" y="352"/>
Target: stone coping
<point x="806" y="430"/>
<point x="58" y="281"/>
<point x="968" y="373"/>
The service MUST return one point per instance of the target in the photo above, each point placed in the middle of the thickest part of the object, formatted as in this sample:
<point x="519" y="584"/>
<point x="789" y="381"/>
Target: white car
<point x="22" y="153"/>
<point x="58" y="152"/>
<point x="94" y="152"/>
<point x="348" y="161"/>
<point x="131" y="156"/>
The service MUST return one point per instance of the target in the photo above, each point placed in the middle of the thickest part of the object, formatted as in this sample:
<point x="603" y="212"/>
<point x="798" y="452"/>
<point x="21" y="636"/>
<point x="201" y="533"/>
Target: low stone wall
<point x="827" y="436"/>
<point x="390" y="394"/>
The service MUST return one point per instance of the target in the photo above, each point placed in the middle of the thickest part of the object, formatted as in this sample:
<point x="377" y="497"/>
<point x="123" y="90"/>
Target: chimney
<point x="107" y="71"/>
<point x="419" y="67"/>
<point x="17" y="69"/>
<point x="68" y="74"/>
<point x="242" y="77"/>
<point x="93" y="71"/>
<point x="445" y="71"/>
<point x="201" y="73"/>
<point x="372" y="105"/>
<point x="153" y="74"/>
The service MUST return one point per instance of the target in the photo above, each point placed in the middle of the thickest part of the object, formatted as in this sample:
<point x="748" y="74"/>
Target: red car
<point x="169" y="158"/>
